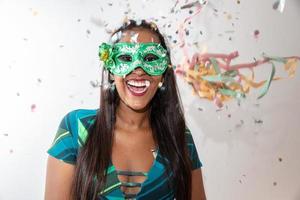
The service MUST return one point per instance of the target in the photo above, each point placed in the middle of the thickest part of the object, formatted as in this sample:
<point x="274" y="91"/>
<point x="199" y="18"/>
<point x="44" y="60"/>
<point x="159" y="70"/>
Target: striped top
<point x="70" y="137"/>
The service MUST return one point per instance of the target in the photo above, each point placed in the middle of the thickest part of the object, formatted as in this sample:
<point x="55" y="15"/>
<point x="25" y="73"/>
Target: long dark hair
<point x="168" y="127"/>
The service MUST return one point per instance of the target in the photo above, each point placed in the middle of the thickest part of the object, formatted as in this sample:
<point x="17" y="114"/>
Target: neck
<point x="133" y="119"/>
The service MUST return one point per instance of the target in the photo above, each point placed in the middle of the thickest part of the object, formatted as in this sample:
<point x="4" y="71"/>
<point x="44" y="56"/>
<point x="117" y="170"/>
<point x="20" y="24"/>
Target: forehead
<point x="139" y="35"/>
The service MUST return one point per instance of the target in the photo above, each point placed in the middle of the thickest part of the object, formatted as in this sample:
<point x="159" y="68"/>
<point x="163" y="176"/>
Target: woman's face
<point x="138" y="88"/>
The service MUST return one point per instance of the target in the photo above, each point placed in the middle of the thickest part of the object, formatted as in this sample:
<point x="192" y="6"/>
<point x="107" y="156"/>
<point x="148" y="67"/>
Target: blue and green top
<point x="70" y="137"/>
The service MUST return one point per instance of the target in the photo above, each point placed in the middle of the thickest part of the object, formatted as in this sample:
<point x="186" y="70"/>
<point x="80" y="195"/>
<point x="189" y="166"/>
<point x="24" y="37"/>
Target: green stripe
<point x="131" y="173"/>
<point x="110" y="188"/>
<point x="131" y="184"/>
<point x="60" y="136"/>
<point x="82" y="132"/>
<point x="110" y="169"/>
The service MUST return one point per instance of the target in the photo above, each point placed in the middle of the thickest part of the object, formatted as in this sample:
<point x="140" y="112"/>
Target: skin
<point x="133" y="138"/>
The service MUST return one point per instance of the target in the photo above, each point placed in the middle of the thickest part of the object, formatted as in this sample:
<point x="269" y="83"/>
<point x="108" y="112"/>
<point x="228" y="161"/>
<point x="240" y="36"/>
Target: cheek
<point x="157" y="79"/>
<point x="120" y="85"/>
<point x="155" y="82"/>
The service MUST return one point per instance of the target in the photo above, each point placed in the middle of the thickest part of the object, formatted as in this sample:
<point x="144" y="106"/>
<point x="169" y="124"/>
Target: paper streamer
<point x="212" y="75"/>
<point x="214" y="78"/>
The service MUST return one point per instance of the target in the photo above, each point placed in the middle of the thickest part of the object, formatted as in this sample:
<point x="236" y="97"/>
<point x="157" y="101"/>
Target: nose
<point x="139" y="71"/>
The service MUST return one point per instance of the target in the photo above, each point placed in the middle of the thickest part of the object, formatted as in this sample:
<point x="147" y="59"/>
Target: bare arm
<point x="198" y="192"/>
<point x="58" y="179"/>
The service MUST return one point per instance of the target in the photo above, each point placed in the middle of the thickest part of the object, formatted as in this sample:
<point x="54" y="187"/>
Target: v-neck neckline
<point x="114" y="171"/>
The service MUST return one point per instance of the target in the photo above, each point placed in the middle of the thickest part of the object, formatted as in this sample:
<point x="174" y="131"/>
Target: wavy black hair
<point x="168" y="129"/>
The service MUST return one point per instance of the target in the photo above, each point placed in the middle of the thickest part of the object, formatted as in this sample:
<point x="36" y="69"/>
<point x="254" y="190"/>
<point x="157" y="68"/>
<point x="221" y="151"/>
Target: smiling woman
<point x="136" y="145"/>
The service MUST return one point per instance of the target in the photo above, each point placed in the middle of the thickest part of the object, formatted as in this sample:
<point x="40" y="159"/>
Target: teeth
<point x="147" y="83"/>
<point x="139" y="83"/>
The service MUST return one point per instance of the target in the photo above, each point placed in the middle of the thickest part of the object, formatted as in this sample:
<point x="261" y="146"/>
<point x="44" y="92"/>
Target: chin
<point x="139" y="107"/>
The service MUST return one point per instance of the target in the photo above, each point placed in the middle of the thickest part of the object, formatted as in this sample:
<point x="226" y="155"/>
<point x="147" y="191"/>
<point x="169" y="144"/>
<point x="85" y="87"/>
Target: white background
<point x="48" y="56"/>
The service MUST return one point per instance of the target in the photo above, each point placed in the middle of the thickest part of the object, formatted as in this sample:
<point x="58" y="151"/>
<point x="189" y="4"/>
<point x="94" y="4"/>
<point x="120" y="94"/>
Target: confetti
<point x="33" y="108"/>
<point x="173" y="8"/>
<point x="214" y="78"/>
<point x="279" y="5"/>
<point x="95" y="84"/>
<point x="98" y="22"/>
<point x="229" y="31"/>
<point x="256" y="34"/>
<point x="189" y="5"/>
<point x="280" y="159"/>
<point x="187" y="32"/>
<point x="34" y="12"/>
<point x="228" y="16"/>
<point x="109" y="31"/>
<point x="274" y="183"/>
<point x="258" y="121"/>
<point x="239" y="125"/>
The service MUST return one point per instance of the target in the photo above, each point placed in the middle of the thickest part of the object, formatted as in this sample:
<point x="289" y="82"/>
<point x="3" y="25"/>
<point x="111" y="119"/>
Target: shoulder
<point x="192" y="149"/>
<point x="79" y="122"/>
<point x="78" y="118"/>
<point x="81" y="114"/>
<point x="71" y="134"/>
<point x="188" y="136"/>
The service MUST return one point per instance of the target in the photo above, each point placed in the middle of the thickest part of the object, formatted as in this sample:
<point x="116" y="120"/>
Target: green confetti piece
<point x="196" y="67"/>
<point x="276" y="58"/>
<point x="218" y="78"/>
<point x="232" y="93"/>
<point x="215" y="65"/>
<point x="266" y="86"/>
<point x="231" y="73"/>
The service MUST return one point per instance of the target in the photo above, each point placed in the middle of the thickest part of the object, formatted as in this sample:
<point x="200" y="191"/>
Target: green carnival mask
<point x="122" y="58"/>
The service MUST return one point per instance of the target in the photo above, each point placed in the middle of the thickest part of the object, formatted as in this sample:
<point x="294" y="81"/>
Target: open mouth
<point x="138" y="87"/>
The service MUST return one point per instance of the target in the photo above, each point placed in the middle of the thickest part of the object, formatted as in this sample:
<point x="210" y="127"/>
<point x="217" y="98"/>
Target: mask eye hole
<point x="126" y="58"/>
<point x="150" y="57"/>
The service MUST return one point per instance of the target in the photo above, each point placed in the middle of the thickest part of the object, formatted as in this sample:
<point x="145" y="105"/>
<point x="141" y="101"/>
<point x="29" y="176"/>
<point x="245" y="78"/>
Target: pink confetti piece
<point x="33" y="108"/>
<point x="256" y="34"/>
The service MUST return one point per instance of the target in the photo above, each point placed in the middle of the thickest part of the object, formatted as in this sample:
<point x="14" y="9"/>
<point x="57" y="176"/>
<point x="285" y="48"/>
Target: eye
<point x="126" y="58"/>
<point x="150" y="57"/>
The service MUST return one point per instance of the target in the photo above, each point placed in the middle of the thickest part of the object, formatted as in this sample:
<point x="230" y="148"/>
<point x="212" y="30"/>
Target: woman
<point x="137" y="145"/>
